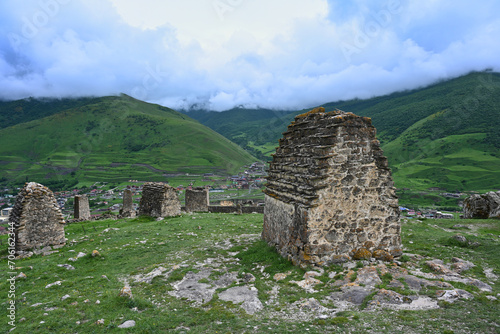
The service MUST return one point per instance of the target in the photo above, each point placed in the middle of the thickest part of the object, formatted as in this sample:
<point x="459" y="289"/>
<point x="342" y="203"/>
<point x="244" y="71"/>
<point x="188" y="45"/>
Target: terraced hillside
<point x="443" y="136"/>
<point x="113" y="139"/>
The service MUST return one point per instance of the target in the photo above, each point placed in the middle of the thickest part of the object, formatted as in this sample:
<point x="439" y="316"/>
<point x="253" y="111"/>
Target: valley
<point x="439" y="139"/>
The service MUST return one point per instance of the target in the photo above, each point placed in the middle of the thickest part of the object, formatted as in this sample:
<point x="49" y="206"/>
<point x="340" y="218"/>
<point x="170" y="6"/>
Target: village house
<point x="4" y="215"/>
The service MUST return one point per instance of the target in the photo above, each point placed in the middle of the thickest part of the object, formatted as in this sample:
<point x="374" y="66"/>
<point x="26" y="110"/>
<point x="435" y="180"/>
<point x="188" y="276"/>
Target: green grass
<point x="266" y="149"/>
<point x="429" y="137"/>
<point x="115" y="139"/>
<point x="179" y="245"/>
<point x="262" y="254"/>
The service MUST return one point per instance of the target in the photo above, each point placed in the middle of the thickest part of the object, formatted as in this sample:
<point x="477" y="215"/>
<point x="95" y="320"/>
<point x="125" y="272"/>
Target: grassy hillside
<point x="445" y="135"/>
<point x="468" y="104"/>
<point x="217" y="247"/>
<point x="249" y="128"/>
<point x="25" y="110"/>
<point x="114" y="139"/>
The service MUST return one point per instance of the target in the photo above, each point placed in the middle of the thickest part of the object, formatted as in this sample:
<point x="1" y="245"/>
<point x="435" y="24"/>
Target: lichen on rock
<point x="330" y="191"/>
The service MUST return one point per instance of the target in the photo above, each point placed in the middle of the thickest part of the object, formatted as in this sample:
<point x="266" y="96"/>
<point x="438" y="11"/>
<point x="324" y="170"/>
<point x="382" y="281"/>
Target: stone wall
<point x="235" y="209"/>
<point x="37" y="218"/>
<point x="127" y="211"/>
<point x="159" y="200"/>
<point x="81" y="207"/>
<point x="197" y="200"/>
<point x="330" y="192"/>
<point x="482" y="206"/>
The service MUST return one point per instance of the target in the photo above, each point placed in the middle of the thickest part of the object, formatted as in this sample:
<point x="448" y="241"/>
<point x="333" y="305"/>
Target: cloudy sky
<point x="217" y="54"/>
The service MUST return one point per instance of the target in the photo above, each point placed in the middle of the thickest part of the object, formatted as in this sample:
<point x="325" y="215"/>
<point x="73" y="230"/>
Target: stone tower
<point x="127" y="210"/>
<point x="37" y="218"/>
<point x="330" y="192"/>
<point x="81" y="207"/>
<point x="197" y="200"/>
<point x="159" y="200"/>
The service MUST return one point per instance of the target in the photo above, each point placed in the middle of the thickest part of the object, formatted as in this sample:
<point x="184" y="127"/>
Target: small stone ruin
<point x="81" y="207"/>
<point x="197" y="200"/>
<point x="127" y="211"/>
<point x="482" y="206"/>
<point x="330" y="196"/>
<point x="159" y="200"/>
<point x="37" y="219"/>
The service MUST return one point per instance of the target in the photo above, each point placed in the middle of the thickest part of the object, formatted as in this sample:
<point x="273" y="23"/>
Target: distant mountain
<point x="108" y="139"/>
<point x="442" y="136"/>
<point x="248" y="128"/>
<point x="25" y="110"/>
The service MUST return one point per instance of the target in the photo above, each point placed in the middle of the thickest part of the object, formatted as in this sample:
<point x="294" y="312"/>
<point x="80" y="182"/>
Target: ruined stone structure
<point x="482" y="206"/>
<point x="159" y="200"/>
<point x="330" y="195"/>
<point x="37" y="219"/>
<point x="235" y="209"/>
<point x="197" y="200"/>
<point x="127" y="211"/>
<point x="81" y="207"/>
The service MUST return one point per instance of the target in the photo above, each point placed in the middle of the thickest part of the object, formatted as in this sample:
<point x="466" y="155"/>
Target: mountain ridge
<point x="442" y="136"/>
<point x="89" y="140"/>
<point x="418" y="131"/>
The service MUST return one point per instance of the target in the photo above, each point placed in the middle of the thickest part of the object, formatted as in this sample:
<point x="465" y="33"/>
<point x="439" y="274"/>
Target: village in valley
<point x="243" y="188"/>
<point x="337" y="223"/>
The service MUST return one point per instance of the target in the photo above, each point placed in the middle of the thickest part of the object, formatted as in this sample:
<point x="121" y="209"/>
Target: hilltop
<point x="108" y="139"/>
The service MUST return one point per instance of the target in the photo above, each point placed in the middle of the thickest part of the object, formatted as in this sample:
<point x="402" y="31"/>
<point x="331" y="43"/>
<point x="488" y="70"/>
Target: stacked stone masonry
<point x="330" y="192"/>
<point x="159" y="200"/>
<point x="37" y="219"/>
<point x="81" y="207"/>
<point x="236" y="209"/>
<point x="127" y="210"/>
<point x="197" y="200"/>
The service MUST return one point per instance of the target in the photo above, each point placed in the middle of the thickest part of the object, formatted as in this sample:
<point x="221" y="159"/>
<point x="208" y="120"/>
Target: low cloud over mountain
<point x="218" y="54"/>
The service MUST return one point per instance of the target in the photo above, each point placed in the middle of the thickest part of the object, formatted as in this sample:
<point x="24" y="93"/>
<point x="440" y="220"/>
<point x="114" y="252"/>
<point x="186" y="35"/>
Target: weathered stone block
<point x="37" y="219"/>
<point x="159" y="200"/>
<point x="81" y="207"/>
<point x="361" y="254"/>
<point x="482" y="206"/>
<point x="330" y="191"/>
<point x="127" y="211"/>
<point x="197" y="200"/>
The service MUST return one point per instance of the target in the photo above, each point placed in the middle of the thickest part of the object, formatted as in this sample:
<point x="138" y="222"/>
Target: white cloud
<point x="222" y="53"/>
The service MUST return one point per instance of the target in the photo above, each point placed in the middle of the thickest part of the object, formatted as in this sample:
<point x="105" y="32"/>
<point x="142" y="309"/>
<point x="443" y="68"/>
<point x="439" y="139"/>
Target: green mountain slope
<point x="445" y="135"/>
<point x="114" y="139"/>
<point x="22" y="111"/>
<point x="252" y="129"/>
<point x="468" y="104"/>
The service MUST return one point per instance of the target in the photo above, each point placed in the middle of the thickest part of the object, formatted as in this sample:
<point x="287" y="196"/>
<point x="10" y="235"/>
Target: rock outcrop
<point x="330" y="192"/>
<point x="37" y="219"/>
<point x="482" y="206"/>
